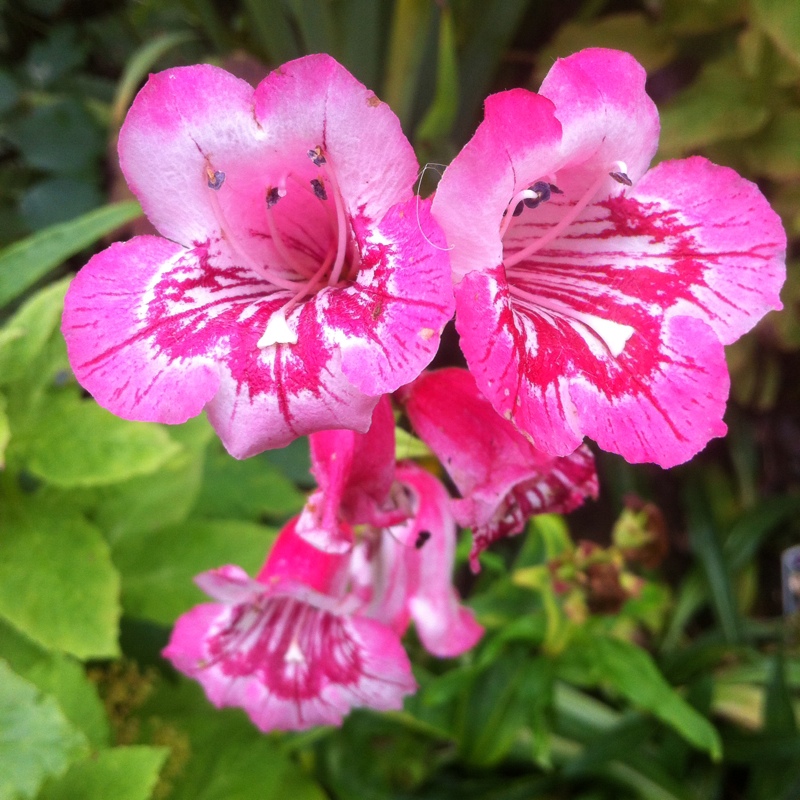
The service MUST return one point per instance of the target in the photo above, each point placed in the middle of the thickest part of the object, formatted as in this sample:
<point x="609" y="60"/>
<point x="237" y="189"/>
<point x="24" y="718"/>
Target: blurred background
<point x="644" y="647"/>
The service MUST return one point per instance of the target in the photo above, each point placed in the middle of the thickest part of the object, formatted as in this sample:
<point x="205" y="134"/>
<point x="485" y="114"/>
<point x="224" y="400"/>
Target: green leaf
<point x="57" y="582"/>
<point x="5" y="431"/>
<point x="36" y="741"/>
<point x="158" y="567"/>
<point x="634" y="32"/>
<point x="269" y="23"/>
<point x="24" y="336"/>
<point x="61" y="677"/>
<point x="775" y="152"/>
<point x="780" y="20"/>
<point x="123" y="773"/>
<point x="230" y="757"/>
<point x="43" y="203"/>
<point x="440" y="117"/>
<point x="25" y="262"/>
<point x="720" y="105"/>
<point x="250" y="489"/>
<point x="633" y="673"/>
<point x="76" y="443"/>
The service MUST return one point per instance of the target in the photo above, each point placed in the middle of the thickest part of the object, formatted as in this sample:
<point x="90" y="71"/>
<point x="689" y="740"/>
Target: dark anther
<point x="422" y="537"/>
<point x="319" y="189"/>
<point x="542" y="191"/>
<point x="518" y="210"/>
<point x="273" y="195"/>
<point x="215" y="179"/>
<point x="554" y="189"/>
<point x="621" y="177"/>
<point x="317" y="156"/>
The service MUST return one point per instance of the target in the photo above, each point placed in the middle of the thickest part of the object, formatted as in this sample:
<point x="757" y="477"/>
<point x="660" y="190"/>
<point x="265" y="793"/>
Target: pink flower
<point x="297" y="281"/>
<point x="405" y="573"/>
<point x="285" y="647"/>
<point x="593" y="297"/>
<point x="502" y="478"/>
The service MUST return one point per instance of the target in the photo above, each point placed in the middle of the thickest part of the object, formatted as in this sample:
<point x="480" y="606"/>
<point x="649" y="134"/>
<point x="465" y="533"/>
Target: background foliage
<point x="636" y="650"/>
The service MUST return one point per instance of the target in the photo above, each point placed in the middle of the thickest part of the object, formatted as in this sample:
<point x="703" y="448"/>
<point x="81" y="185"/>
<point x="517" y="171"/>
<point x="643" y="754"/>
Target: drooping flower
<point x="405" y="573"/>
<point x="593" y="297"/>
<point x="298" y="279"/>
<point x="287" y="647"/>
<point x="502" y="478"/>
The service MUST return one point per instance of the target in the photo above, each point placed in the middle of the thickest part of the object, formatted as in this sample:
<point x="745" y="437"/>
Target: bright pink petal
<point x="517" y="143"/>
<point x="445" y="627"/>
<point x="502" y="478"/>
<point x="604" y="111"/>
<point x="289" y="664"/>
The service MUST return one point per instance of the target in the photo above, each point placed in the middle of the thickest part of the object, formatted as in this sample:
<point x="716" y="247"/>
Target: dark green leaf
<point x="44" y="203"/>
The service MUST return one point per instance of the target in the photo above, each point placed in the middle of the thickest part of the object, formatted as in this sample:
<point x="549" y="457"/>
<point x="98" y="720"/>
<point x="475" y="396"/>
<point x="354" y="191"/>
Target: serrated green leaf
<point x="57" y="582"/>
<point x="24" y="262"/>
<point x="158" y="567"/>
<point x="76" y="443"/>
<point x="61" y="677"/>
<point x="250" y="489"/>
<point x="24" y="336"/>
<point x="123" y="773"/>
<point x="36" y="741"/>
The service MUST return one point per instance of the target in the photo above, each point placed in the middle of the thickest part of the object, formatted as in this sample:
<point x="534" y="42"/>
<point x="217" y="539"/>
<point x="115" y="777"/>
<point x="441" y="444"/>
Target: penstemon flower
<point x="502" y="478"/>
<point x="287" y="647"/>
<point x="594" y="297"/>
<point x="298" y="279"/>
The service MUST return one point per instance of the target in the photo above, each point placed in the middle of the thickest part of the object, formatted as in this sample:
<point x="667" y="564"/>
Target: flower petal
<point x="603" y="108"/>
<point x="517" y="142"/>
<point x="502" y="478"/>
<point x="289" y="664"/>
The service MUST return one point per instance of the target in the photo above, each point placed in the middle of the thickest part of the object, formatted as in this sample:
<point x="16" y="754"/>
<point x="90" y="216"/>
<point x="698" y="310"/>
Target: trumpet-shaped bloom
<point x="502" y="478"/>
<point x="594" y="297"/>
<point x="298" y="279"/>
<point x="285" y="647"/>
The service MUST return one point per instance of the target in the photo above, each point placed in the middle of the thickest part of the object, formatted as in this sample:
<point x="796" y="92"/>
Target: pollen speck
<point x="427" y="333"/>
<point x="373" y="101"/>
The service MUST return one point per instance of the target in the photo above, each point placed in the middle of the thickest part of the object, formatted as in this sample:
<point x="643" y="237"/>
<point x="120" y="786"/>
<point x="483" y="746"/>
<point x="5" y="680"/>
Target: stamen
<point x="283" y="251"/>
<point x="317" y="156"/>
<point x="215" y="179"/>
<point x="566" y="220"/>
<point x="341" y="229"/>
<point x="319" y="189"/>
<point x="422" y="538"/>
<point x="273" y="195"/>
<point x="533" y="196"/>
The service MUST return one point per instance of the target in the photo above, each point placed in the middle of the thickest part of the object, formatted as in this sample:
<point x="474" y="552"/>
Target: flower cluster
<point x="298" y="284"/>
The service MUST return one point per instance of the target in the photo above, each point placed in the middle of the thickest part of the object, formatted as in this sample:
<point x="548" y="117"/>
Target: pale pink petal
<point x="445" y="627"/>
<point x="229" y="584"/>
<point x="502" y="478"/>
<point x="604" y="111"/>
<point x="517" y="143"/>
<point x="289" y="664"/>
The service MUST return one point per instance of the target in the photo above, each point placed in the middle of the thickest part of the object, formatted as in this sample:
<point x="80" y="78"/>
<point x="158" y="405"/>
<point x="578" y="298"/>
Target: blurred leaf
<point x="633" y="673"/>
<point x="650" y="44"/>
<point x="270" y="25"/>
<point x="364" y="26"/>
<point x="45" y="202"/>
<point x="53" y="58"/>
<point x="137" y="68"/>
<point x="158" y="567"/>
<point x="36" y="741"/>
<point x="717" y="106"/>
<point x="23" y="263"/>
<point x="250" y="489"/>
<point x="123" y="773"/>
<point x="73" y="603"/>
<point x="8" y="91"/>
<point x="315" y="21"/>
<point x="61" y="137"/>
<point x="61" y="677"/>
<point x="76" y="443"/>
<point x="707" y="548"/>
<point x="5" y="431"/>
<point x="24" y="336"/>
<point x="440" y="117"/>
<point x="780" y="20"/>
<point x="775" y="151"/>
<point x="702" y="17"/>
<point x="293" y="461"/>
<point x="230" y="757"/>
<point x="410" y="26"/>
